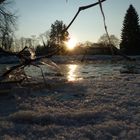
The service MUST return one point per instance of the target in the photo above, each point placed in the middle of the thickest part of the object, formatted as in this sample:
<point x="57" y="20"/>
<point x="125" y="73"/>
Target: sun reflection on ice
<point x="73" y="72"/>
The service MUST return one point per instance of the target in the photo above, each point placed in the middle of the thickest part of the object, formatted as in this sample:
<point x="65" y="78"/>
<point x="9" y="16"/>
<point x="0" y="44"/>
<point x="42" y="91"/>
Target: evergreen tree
<point x="130" y="37"/>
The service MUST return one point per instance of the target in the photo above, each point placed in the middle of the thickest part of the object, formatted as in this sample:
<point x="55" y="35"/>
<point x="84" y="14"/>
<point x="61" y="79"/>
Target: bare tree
<point x="7" y="25"/>
<point x="45" y="38"/>
<point x="104" y="40"/>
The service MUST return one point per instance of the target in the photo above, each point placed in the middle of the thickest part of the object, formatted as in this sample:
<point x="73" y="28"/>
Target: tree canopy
<point x="57" y="36"/>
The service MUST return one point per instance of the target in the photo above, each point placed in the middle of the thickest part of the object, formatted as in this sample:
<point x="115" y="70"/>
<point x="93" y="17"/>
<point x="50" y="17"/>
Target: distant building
<point x="101" y="49"/>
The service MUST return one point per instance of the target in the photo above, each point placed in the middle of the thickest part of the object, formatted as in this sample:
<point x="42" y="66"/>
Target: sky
<point x="36" y="16"/>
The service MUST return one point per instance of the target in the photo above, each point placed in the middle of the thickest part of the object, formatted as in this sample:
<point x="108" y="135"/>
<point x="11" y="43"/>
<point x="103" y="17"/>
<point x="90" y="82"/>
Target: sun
<point x="71" y="43"/>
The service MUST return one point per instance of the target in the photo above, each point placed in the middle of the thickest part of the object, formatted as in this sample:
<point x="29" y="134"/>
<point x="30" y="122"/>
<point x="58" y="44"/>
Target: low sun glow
<point x="71" y="43"/>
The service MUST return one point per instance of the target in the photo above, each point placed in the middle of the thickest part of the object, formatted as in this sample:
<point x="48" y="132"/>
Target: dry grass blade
<point x="50" y="63"/>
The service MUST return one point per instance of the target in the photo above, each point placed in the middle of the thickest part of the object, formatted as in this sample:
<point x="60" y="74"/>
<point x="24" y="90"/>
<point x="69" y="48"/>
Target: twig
<point x="105" y="26"/>
<point x="79" y="10"/>
<point x="11" y="70"/>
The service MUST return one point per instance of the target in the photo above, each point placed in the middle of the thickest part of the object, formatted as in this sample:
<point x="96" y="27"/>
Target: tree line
<point x="129" y="43"/>
<point x="55" y="38"/>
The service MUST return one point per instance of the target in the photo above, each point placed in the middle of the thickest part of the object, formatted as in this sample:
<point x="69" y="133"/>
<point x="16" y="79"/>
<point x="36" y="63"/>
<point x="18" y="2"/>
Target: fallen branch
<point x="27" y="61"/>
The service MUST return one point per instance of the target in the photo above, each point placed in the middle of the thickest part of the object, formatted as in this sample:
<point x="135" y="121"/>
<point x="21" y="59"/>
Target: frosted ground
<point x="91" y="101"/>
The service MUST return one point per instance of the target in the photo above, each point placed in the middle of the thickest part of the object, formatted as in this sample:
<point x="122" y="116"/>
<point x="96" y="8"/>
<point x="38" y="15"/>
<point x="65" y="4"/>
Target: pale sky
<point x="36" y="17"/>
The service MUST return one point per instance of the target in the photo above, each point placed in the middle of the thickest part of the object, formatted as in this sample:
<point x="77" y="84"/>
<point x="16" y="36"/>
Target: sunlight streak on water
<point x="72" y="72"/>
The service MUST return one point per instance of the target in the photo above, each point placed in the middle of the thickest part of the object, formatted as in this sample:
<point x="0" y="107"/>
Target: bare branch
<point x="79" y="10"/>
<point x="11" y="70"/>
<point x="105" y="26"/>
